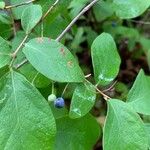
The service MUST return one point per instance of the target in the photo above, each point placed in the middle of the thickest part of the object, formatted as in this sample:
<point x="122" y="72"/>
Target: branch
<point x="21" y="4"/>
<point x="88" y="75"/>
<point x="141" y="22"/>
<point x="75" y="19"/>
<point x="17" y="50"/>
<point x="21" y="64"/>
<point x="106" y="90"/>
<point x="106" y="97"/>
<point x="50" y="9"/>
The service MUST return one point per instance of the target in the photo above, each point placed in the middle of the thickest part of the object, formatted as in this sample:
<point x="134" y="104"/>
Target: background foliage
<point x="100" y="66"/>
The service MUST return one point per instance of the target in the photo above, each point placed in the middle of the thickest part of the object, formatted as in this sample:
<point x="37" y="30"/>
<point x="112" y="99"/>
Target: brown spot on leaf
<point x="70" y="64"/>
<point x="40" y="40"/>
<point x="62" y="51"/>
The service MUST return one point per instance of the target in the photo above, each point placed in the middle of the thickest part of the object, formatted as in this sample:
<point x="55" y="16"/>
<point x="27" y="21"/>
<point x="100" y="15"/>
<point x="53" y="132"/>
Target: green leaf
<point x="122" y="89"/>
<point x="77" y="40"/>
<point x="17" y="11"/>
<point x="145" y="43"/>
<point x="33" y="76"/>
<point x="46" y="4"/>
<point x="123" y="130"/>
<point x="105" y="58"/>
<point x="76" y="6"/>
<point x="121" y="32"/>
<point x="56" y="61"/>
<point x="4" y="70"/>
<point x="147" y="128"/>
<point x="56" y="20"/>
<point x="5" y="17"/>
<point x="76" y="134"/>
<point x="2" y="5"/>
<point x="30" y="17"/>
<point x="102" y="10"/>
<point x="5" y="51"/>
<point x="53" y="26"/>
<point x="59" y="113"/>
<point x="6" y="30"/>
<point x="26" y="119"/>
<point x="90" y="35"/>
<point x="139" y="94"/>
<point x="83" y="100"/>
<point x="137" y="7"/>
<point x="125" y="32"/>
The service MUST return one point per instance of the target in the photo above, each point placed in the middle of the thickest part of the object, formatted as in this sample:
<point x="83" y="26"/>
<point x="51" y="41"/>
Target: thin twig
<point x="21" y="64"/>
<point x="88" y="75"/>
<point x="141" y="22"/>
<point x="75" y="19"/>
<point x="34" y="78"/>
<point x="106" y="97"/>
<point x="42" y="29"/>
<point x="106" y="90"/>
<point x="21" y="44"/>
<point x="64" y="90"/>
<point x="21" y="4"/>
<point x="53" y="87"/>
<point x="45" y="15"/>
<point x="17" y="50"/>
<point x="50" y="9"/>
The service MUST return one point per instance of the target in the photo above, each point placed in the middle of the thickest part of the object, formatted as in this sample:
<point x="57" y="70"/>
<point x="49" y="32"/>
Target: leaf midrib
<point x="16" y="105"/>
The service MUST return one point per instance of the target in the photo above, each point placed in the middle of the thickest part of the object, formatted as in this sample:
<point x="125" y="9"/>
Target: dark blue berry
<point x="59" y="102"/>
<point x="114" y="24"/>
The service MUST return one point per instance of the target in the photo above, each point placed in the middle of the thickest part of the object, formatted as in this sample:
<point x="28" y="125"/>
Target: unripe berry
<point x="59" y="102"/>
<point x="51" y="98"/>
